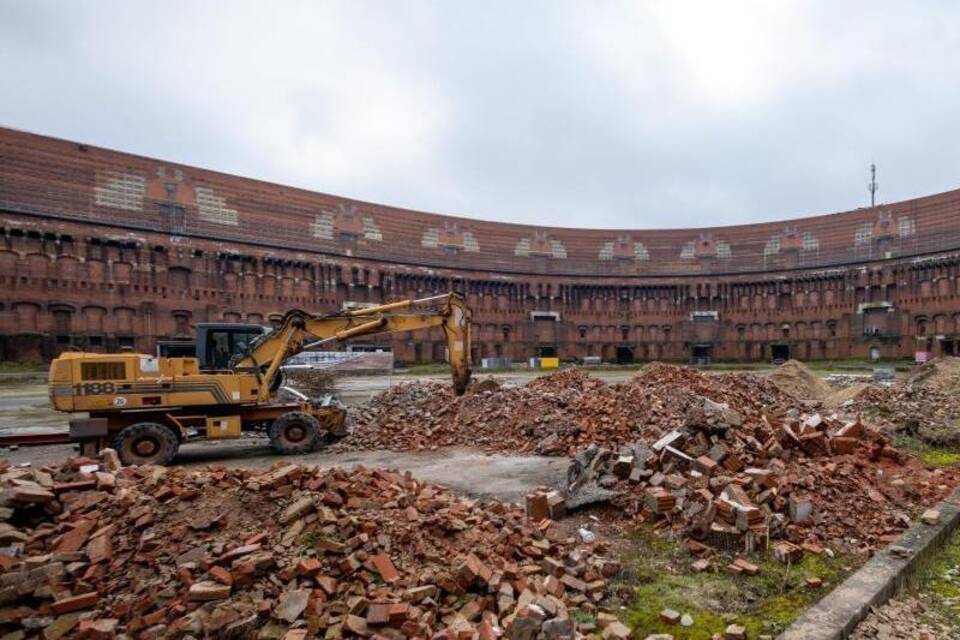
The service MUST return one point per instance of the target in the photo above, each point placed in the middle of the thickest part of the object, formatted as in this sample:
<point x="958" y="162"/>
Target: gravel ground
<point x="906" y="618"/>
<point x="928" y="608"/>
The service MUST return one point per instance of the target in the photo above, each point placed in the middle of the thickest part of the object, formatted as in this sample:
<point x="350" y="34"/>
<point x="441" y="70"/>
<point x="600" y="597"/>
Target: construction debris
<point x="313" y="382"/>
<point x="926" y="412"/>
<point x="808" y="480"/>
<point x="166" y="552"/>
<point x="727" y="459"/>
<point x="908" y="617"/>
<point x="562" y="412"/>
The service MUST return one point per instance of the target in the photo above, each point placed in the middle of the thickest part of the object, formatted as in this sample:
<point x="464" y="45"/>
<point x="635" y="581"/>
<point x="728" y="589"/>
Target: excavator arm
<point x="300" y="330"/>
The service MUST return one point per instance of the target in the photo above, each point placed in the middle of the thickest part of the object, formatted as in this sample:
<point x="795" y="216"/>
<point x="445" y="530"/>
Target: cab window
<point x="218" y="348"/>
<point x="223" y="344"/>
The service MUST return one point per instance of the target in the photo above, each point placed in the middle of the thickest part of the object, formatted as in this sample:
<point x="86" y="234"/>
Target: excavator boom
<point x="300" y="330"/>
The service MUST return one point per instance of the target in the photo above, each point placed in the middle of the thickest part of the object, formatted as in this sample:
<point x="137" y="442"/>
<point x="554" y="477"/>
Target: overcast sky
<point x="592" y="113"/>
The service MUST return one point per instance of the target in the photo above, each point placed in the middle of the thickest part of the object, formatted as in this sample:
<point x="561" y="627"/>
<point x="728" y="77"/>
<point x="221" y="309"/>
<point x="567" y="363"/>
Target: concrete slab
<point x="837" y="615"/>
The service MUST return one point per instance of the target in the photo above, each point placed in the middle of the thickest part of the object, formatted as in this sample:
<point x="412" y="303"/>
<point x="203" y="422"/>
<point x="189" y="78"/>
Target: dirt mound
<point x="153" y="552"/>
<point x="746" y="393"/>
<point x="799" y="381"/>
<point x="842" y="396"/>
<point x="942" y="374"/>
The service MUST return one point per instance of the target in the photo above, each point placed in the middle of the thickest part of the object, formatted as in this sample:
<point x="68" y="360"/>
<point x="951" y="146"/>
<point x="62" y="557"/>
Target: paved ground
<point x="25" y="407"/>
<point x="465" y="470"/>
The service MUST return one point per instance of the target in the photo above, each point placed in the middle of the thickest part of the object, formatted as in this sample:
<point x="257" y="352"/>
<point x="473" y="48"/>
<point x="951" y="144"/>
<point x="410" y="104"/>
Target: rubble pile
<point x="808" y="481"/>
<point x="543" y="416"/>
<point x="92" y="550"/>
<point x="924" y="405"/>
<point x="929" y="413"/>
<point x="559" y="413"/>
<point x="906" y="617"/>
<point x="672" y="393"/>
<point x="403" y="417"/>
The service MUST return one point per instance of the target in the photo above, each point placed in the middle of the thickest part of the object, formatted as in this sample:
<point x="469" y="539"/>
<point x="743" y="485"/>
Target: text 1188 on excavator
<point x="146" y="407"/>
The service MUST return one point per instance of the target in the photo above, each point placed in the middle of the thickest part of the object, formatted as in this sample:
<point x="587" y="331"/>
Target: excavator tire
<point x="296" y="432"/>
<point x="146" y="443"/>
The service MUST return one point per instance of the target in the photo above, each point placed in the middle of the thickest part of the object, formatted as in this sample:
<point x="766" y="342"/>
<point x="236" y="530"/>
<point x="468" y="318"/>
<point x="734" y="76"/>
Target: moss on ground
<point x="938" y="582"/>
<point x="931" y="455"/>
<point x="941" y="458"/>
<point x="658" y="576"/>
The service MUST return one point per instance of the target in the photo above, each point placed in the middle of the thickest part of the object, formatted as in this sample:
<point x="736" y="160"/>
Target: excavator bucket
<point x="457" y="328"/>
<point x="461" y="378"/>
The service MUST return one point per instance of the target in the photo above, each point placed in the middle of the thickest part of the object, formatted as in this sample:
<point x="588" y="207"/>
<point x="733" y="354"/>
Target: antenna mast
<point x="872" y="187"/>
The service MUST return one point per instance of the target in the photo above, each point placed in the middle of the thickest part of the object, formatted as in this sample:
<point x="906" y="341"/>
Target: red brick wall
<point x="101" y="249"/>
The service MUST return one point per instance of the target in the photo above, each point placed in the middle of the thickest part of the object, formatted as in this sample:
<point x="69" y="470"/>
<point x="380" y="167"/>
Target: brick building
<point x="103" y="250"/>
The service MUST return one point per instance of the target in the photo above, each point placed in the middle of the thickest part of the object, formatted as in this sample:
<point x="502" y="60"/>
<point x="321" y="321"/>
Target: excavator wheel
<point x="146" y="443"/>
<point x="296" y="432"/>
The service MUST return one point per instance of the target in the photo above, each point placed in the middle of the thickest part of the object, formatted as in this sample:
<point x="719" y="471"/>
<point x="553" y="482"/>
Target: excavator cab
<point x="216" y="344"/>
<point x="219" y="342"/>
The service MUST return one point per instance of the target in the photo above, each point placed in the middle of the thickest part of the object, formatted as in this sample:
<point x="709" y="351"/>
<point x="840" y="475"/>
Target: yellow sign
<point x="549" y="363"/>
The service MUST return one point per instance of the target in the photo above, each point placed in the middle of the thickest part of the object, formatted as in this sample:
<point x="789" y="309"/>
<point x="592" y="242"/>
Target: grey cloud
<point x="576" y="114"/>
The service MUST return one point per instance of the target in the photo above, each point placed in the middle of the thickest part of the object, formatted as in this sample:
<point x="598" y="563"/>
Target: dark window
<point x="182" y="322"/>
<point x="95" y="341"/>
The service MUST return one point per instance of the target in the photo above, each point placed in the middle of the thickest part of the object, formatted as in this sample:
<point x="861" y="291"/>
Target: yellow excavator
<point x="146" y="406"/>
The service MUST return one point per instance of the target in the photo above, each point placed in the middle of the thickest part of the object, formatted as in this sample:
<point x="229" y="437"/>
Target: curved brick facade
<point x="102" y="250"/>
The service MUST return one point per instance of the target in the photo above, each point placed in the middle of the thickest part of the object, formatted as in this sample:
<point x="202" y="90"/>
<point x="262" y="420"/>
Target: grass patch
<point x="657" y="576"/>
<point x="584" y="617"/>
<point x="933" y="456"/>
<point x="423" y="369"/>
<point x="936" y="585"/>
<point x="941" y="579"/>
<point x="22" y="367"/>
<point x="940" y="458"/>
